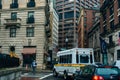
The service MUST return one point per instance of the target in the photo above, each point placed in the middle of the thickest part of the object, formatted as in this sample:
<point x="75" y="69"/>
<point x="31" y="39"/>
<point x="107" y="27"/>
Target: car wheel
<point x="65" y="76"/>
<point x="55" y="74"/>
<point x="74" y="78"/>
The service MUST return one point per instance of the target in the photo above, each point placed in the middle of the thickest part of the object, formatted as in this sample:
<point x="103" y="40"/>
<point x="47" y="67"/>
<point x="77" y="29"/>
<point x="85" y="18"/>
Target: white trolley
<point x="72" y="60"/>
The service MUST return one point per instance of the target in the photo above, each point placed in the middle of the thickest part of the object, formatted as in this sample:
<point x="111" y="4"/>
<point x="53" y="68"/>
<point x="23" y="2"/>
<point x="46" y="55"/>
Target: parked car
<point x="93" y="72"/>
<point x="117" y="63"/>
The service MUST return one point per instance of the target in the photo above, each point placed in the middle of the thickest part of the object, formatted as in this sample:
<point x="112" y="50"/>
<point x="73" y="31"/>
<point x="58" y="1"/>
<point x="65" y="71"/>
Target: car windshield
<point x="107" y="71"/>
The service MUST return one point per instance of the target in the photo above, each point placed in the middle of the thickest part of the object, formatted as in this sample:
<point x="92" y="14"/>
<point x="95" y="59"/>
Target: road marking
<point x="24" y="74"/>
<point x="46" y="76"/>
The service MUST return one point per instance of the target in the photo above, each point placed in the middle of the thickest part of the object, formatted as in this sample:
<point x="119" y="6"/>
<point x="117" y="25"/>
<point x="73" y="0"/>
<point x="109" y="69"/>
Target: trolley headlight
<point x="77" y="69"/>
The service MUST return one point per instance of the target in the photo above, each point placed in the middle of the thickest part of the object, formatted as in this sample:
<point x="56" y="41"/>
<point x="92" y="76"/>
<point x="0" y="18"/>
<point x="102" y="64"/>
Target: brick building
<point x="86" y="21"/>
<point x="110" y="28"/>
<point x="69" y="11"/>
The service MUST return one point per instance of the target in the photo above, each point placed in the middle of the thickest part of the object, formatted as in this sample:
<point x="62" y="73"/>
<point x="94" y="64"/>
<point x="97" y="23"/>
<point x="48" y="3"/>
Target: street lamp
<point x="66" y="41"/>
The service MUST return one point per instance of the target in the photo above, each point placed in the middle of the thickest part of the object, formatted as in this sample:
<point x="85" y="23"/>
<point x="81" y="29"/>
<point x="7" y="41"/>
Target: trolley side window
<point x="91" y="58"/>
<point x="77" y="58"/>
<point x="118" y="54"/>
<point x="60" y="59"/>
<point x="69" y="58"/>
<point x="66" y="58"/>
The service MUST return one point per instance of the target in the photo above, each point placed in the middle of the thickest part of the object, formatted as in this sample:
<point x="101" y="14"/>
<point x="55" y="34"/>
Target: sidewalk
<point x="37" y="70"/>
<point x="28" y="75"/>
<point x="46" y="71"/>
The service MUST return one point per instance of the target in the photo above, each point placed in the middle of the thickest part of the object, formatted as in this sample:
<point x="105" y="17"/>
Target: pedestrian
<point x="34" y="64"/>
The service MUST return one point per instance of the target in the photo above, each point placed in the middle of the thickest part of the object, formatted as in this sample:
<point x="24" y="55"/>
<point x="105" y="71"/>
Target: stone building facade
<point x="24" y="25"/>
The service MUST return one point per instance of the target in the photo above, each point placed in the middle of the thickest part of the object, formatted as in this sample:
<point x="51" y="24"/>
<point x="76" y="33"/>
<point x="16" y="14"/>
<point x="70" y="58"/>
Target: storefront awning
<point x="28" y="51"/>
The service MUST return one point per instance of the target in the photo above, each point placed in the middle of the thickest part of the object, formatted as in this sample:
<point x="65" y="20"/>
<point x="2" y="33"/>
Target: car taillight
<point x="119" y="78"/>
<point x="98" y="78"/>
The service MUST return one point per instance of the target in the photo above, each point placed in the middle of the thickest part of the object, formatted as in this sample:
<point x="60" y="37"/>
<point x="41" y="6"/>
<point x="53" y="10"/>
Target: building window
<point x="14" y="4"/>
<point x="111" y="10"/>
<point x="12" y="32"/>
<point x="105" y="29"/>
<point x="118" y="3"/>
<point x="110" y="39"/>
<point x="30" y="32"/>
<point x="12" y="48"/>
<point x="69" y="14"/>
<point x="112" y="25"/>
<point x="0" y="4"/>
<point x="77" y="14"/>
<point x="14" y="15"/>
<point x="85" y="18"/>
<point x="0" y="18"/>
<point x="14" y="1"/>
<point x="31" y="14"/>
<point x="31" y="3"/>
<point x="119" y="34"/>
<point x="118" y="54"/>
<point x="85" y="25"/>
<point x="60" y="16"/>
<point x="104" y="15"/>
<point x="66" y="0"/>
<point x="119" y="19"/>
<point x="30" y="18"/>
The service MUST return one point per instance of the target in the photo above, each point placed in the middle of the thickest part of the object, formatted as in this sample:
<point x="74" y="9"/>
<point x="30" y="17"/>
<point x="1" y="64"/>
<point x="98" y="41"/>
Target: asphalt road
<point x="41" y="76"/>
<point x="57" y="78"/>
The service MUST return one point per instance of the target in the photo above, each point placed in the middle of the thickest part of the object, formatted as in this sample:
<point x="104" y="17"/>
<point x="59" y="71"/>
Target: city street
<point x="59" y="39"/>
<point x="40" y="76"/>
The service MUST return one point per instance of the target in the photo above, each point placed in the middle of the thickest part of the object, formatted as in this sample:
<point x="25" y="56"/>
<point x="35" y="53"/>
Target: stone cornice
<point x="22" y="9"/>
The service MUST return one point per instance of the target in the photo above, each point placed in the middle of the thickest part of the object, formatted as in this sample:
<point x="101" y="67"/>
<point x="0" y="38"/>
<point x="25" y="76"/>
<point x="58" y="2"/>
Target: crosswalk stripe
<point x="24" y="74"/>
<point x="46" y="76"/>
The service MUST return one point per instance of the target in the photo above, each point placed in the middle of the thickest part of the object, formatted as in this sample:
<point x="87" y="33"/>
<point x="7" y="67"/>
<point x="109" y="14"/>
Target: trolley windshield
<point x="84" y="58"/>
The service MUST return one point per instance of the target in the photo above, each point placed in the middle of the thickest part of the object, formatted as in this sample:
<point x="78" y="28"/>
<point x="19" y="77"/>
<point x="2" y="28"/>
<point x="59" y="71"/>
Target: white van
<point x="69" y="61"/>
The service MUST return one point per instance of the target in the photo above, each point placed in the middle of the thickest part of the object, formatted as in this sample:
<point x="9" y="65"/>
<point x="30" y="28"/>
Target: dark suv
<point x="93" y="72"/>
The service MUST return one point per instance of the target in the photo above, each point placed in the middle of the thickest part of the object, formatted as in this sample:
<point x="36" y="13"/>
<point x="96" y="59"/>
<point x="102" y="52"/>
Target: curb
<point x="46" y="71"/>
<point x="37" y="70"/>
